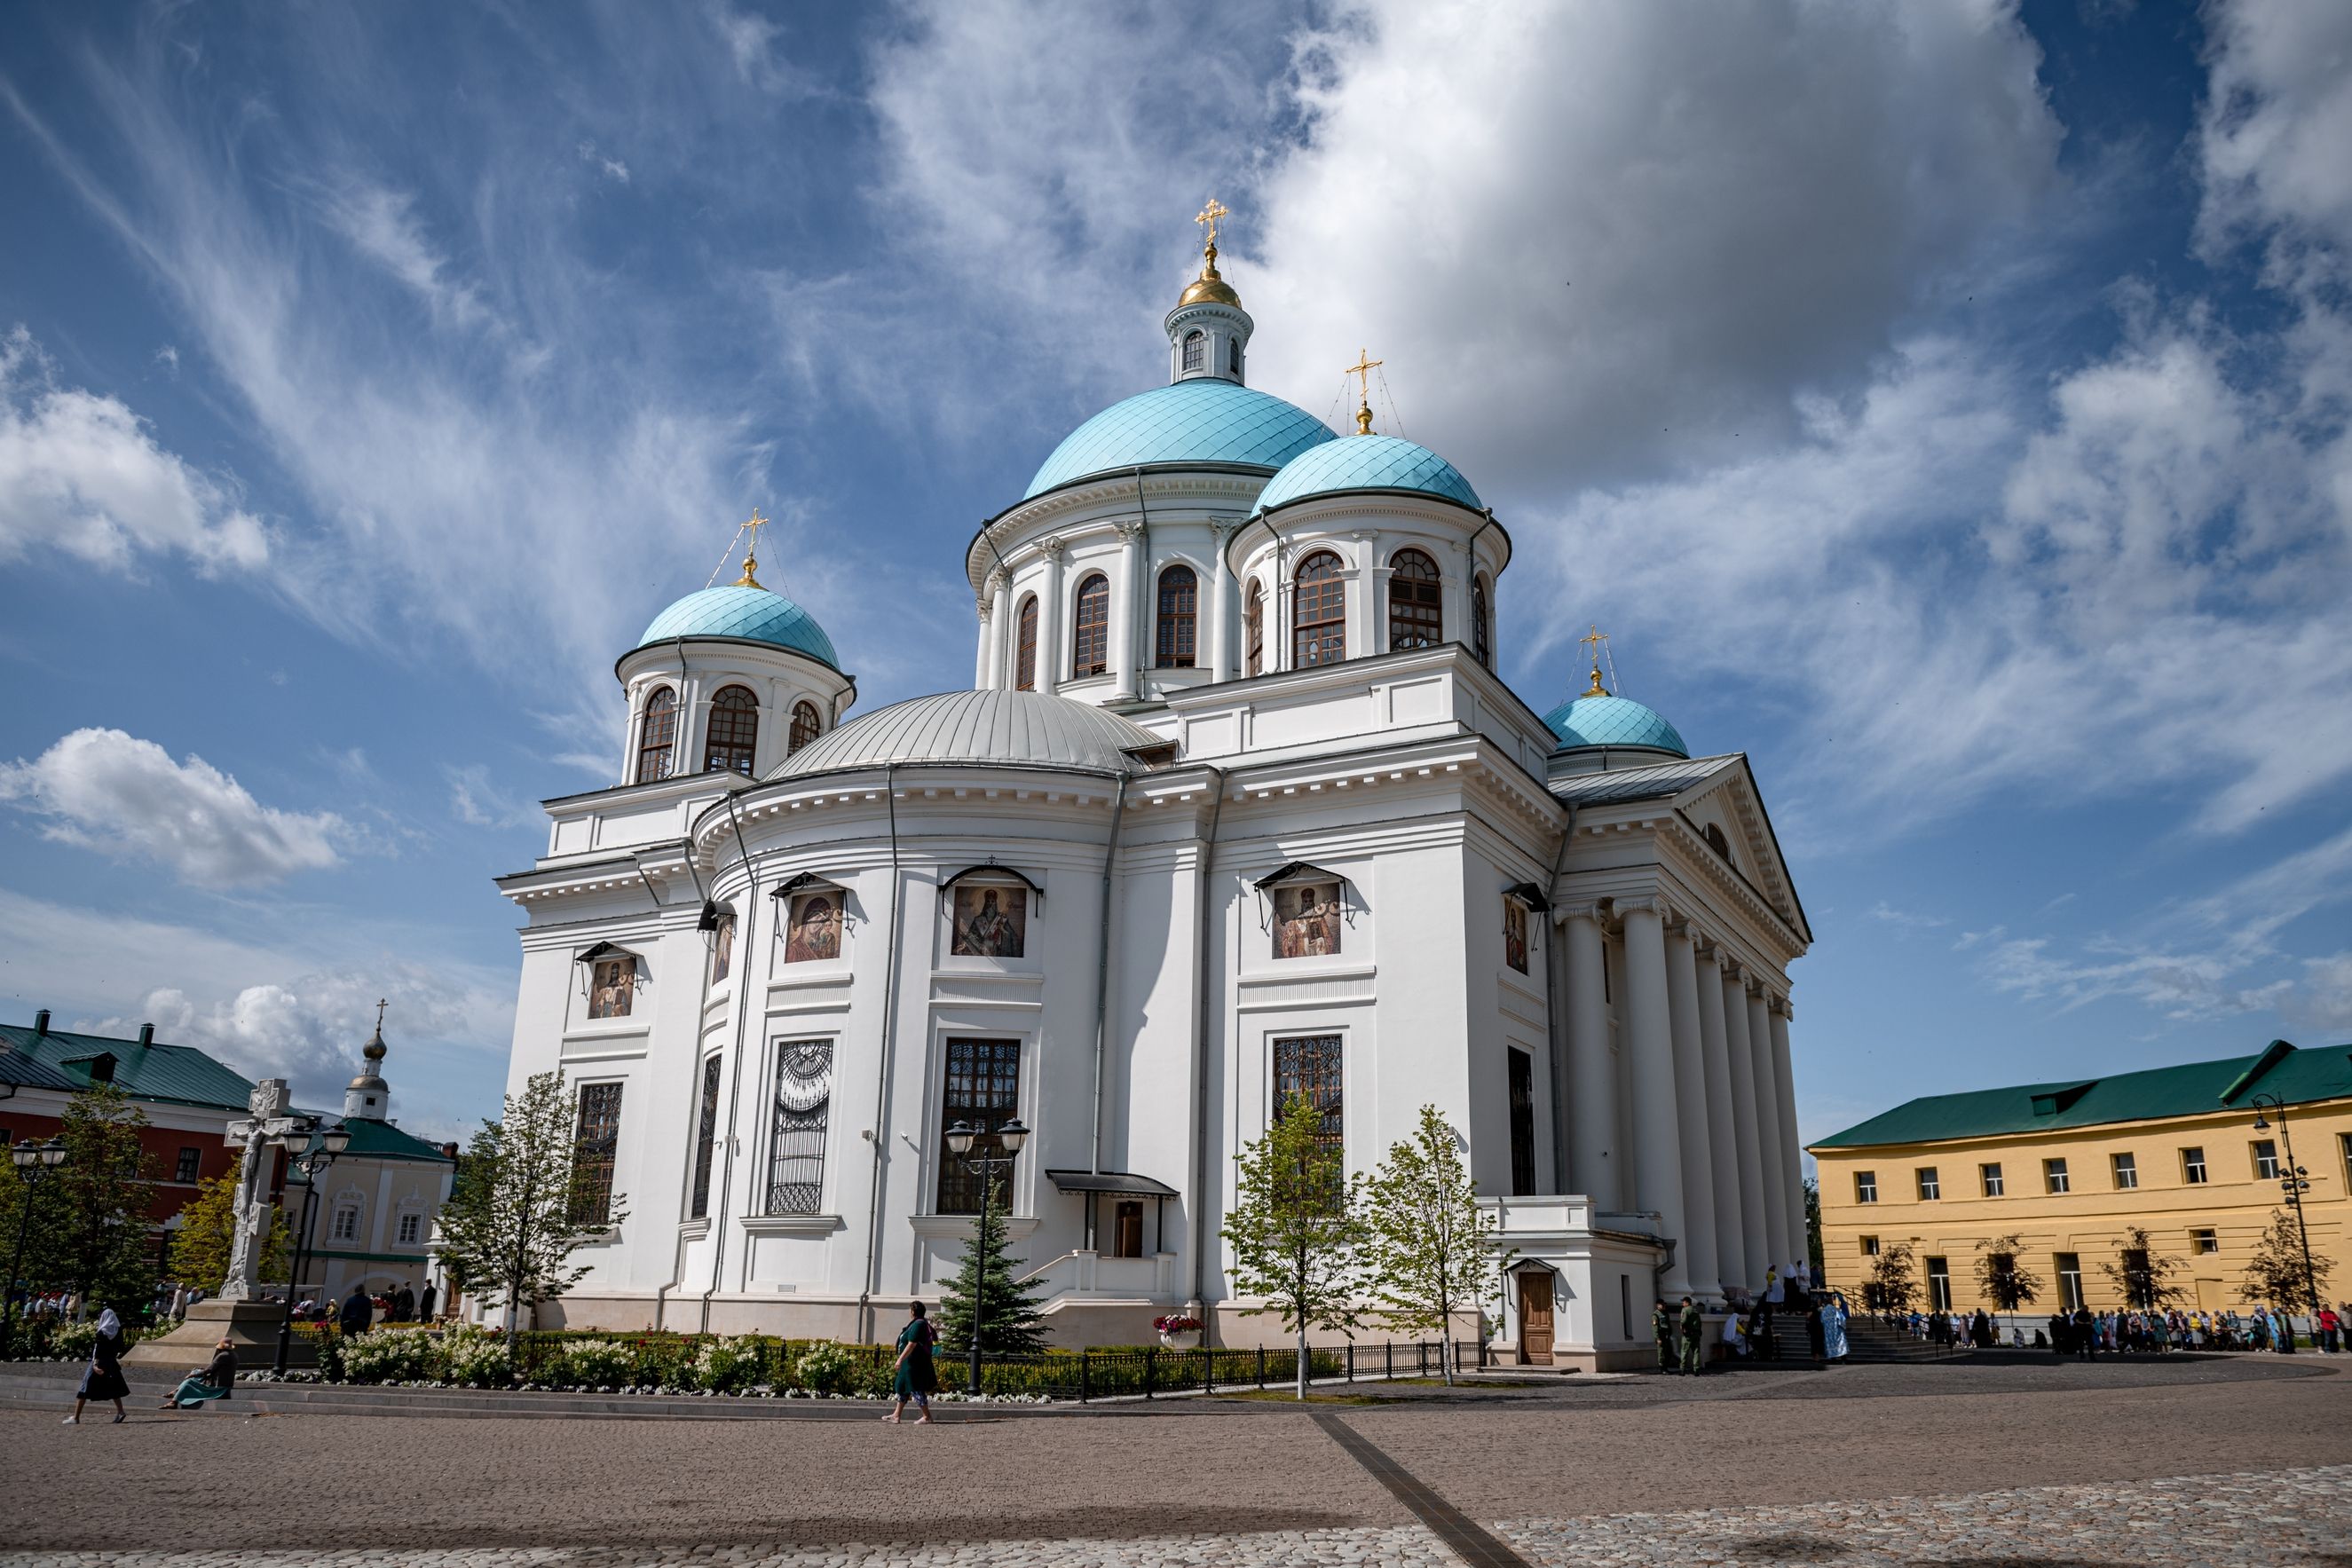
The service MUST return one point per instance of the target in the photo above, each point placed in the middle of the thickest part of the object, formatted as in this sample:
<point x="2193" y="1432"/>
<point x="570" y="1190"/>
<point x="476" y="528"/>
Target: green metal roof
<point x="382" y="1140"/>
<point x="179" y="1074"/>
<point x="2192" y="1089"/>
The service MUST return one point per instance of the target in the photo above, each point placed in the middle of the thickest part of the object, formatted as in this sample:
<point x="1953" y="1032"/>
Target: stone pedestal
<point x="250" y="1326"/>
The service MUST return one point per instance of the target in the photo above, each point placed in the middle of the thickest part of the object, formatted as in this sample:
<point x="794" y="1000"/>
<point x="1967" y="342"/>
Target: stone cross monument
<point x="250" y="1208"/>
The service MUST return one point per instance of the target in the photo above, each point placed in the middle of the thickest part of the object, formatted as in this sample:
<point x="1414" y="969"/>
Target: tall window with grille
<point x="1024" y="652"/>
<point x="1318" y="607"/>
<point x="1090" y="629"/>
<point x="734" y="727"/>
<point x="596" y="1144"/>
<point x="1416" y="602"/>
<point x="1308" y="1067"/>
<point x="657" y="736"/>
<point x="796" y="1140"/>
<point x="1180" y="599"/>
<point x="1482" y="639"/>
<point x="1523" y="1124"/>
<point x="706" y="1138"/>
<point x="1253" y="629"/>
<point x="984" y="1087"/>
<point x="807" y="725"/>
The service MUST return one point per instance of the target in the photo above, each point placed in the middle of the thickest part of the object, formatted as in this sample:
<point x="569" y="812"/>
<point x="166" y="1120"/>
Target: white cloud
<point x="2277" y="118"/>
<point x="382" y="224"/>
<point x="1905" y="919"/>
<point x="124" y="797"/>
<point x="613" y="168"/>
<point x="477" y="801"/>
<point x="82" y="474"/>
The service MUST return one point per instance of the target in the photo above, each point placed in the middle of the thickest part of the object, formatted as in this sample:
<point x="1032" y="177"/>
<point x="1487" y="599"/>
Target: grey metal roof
<point x="1027" y="728"/>
<point x="1125" y="1183"/>
<point x="1660" y="781"/>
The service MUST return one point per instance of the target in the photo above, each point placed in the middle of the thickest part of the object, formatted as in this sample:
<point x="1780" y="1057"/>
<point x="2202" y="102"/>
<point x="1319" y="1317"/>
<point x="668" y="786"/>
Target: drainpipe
<point x="1142" y="633"/>
<point x="1559" y="1017"/>
<point x="1198" y="1191"/>
<point x="735" y="1075"/>
<point x="868" y="1281"/>
<point x="1102" y="969"/>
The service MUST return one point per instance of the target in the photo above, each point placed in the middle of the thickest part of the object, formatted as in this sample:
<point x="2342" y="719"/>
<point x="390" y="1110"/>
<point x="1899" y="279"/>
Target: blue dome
<point x="754" y="614"/>
<point x="1203" y="419"/>
<point x="1368" y="462"/>
<point x="1612" y="721"/>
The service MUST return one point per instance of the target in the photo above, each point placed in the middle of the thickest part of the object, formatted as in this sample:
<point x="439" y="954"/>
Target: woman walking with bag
<point x="104" y="1379"/>
<point x="916" y="1378"/>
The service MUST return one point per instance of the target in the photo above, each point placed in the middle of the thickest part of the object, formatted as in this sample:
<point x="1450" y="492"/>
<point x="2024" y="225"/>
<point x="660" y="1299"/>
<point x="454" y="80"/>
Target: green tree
<point x="515" y="1214"/>
<point x="1814" y="1257"/>
<point x="1010" y="1321"/>
<point x="2275" y="1274"/>
<point x="2001" y="1278"/>
<point x="1297" y="1229"/>
<point x="88" y="1231"/>
<point x="200" y="1246"/>
<point x="1430" y="1248"/>
<point x="1894" y="1282"/>
<point x="2145" y="1279"/>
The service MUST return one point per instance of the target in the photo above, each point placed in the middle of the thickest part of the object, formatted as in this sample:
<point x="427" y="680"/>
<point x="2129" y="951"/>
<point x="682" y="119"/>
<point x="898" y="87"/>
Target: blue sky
<point x="1945" y="403"/>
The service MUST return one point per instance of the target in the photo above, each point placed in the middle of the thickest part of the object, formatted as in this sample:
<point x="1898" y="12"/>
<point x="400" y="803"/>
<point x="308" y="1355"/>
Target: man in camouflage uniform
<point x="1662" y="1325"/>
<point x="1693" y="1329"/>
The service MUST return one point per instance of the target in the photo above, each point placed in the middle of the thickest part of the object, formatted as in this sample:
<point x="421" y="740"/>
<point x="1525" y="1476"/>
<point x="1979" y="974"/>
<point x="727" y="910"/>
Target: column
<point x="1755" y="1244"/>
<point x="1731" y="1232"/>
<point x="1050" y="632"/>
<point x="1650" y="1043"/>
<point x="1767" y="1132"/>
<point x="1704" y="1270"/>
<point x="986" y="657"/>
<point x="1128" y="613"/>
<point x="1792" y="1153"/>
<point x="1001" y="650"/>
<point x="1217" y="622"/>
<point x="1592" y="1070"/>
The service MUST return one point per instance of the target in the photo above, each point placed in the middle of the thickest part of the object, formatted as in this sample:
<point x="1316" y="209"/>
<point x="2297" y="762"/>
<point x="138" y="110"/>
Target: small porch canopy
<point x="1121" y="1184"/>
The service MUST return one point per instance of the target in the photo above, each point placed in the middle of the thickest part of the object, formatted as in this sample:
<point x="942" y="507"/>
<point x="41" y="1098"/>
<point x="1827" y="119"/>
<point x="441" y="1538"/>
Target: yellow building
<point x="2068" y="1166"/>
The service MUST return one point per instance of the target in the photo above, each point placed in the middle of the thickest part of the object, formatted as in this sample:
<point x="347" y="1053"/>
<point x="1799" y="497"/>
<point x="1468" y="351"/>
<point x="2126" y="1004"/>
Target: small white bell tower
<point x="1209" y="332"/>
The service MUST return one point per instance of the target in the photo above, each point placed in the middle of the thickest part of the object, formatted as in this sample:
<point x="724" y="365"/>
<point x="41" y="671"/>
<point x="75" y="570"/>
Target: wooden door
<point x="1126" y="1238"/>
<point x="1535" y="1318"/>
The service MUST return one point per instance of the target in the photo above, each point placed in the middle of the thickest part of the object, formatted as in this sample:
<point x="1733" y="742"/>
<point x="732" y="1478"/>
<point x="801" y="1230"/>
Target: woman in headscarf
<point x="1832" y="1317"/>
<point x="213" y="1383"/>
<point x="104" y="1379"/>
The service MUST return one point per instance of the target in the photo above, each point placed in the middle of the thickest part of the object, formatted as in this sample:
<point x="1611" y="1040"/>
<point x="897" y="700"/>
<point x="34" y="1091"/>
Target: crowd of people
<point x="1754" y="1323"/>
<point x="2086" y="1335"/>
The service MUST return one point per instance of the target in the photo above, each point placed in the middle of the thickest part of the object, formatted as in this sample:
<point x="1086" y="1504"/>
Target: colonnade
<point x="1702" y="1051"/>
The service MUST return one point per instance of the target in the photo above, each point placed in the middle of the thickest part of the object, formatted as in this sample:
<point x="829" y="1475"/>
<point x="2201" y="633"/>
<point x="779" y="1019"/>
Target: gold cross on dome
<point x="1594" y="640"/>
<point x="379" y="1005"/>
<point x="1362" y="371"/>
<point x="751" y="551"/>
<point x="1210" y="214"/>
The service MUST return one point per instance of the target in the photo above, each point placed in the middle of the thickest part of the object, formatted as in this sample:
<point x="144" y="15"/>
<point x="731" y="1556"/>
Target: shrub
<point x="824" y="1369"/>
<point x="393" y="1355"/>
<point x="594" y="1363"/>
<point x="725" y="1363"/>
<point x="477" y="1358"/>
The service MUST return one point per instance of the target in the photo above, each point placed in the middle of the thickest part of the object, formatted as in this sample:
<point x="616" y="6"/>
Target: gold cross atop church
<point x="751" y="551"/>
<point x="1593" y="639"/>
<point x="1362" y="371"/>
<point x="1209" y="216"/>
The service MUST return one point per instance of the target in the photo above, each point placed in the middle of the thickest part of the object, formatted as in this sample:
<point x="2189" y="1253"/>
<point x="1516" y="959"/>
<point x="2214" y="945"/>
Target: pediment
<point x="1729" y="800"/>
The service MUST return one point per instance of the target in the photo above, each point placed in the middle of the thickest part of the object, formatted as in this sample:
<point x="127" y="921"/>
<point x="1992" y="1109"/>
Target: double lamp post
<point x="961" y="1139"/>
<point x="33" y="1161"/>
<point x="2294" y="1181"/>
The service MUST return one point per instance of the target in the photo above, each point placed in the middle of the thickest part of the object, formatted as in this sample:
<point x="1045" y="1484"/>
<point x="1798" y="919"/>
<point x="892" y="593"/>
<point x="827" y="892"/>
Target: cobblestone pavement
<point x="1797" y="1468"/>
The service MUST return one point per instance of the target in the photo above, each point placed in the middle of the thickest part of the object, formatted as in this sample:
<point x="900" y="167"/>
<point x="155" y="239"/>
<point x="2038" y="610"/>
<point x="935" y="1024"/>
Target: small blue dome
<point x="754" y="614"/>
<point x="1612" y="721"/>
<point x="1368" y="462"/>
<point x="1202" y="420"/>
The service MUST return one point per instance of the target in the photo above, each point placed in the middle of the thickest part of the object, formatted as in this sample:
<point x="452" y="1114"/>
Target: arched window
<point x="1416" y="602"/>
<point x="1717" y="843"/>
<point x="1253" y="627"/>
<point x="1482" y="641"/>
<point x="806" y="727"/>
<point x="1319" y="606"/>
<point x="734" y="726"/>
<point x="657" y="739"/>
<point x="1180" y="601"/>
<point x="1196" y="351"/>
<point x="1090" y="639"/>
<point x="1024" y="662"/>
<point x="1234" y="358"/>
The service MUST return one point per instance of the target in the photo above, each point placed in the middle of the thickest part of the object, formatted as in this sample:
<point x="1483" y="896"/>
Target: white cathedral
<point x="1236" y="810"/>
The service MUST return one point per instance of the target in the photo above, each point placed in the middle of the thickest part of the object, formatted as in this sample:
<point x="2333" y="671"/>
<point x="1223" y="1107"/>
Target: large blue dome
<point x="1202" y="420"/>
<point x="1367" y="463"/>
<point x="752" y="614"/>
<point x="1612" y="721"/>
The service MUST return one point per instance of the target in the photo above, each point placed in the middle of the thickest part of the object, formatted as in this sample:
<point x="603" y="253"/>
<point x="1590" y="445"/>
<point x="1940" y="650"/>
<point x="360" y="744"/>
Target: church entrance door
<point x="1535" y="1318"/>
<point x="1126" y="1233"/>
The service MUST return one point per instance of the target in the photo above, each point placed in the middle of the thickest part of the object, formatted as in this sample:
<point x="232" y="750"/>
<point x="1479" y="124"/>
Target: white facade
<point x="1623" y="1086"/>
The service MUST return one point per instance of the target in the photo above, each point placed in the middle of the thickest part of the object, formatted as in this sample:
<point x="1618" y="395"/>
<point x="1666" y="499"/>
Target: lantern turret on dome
<point x="1208" y="332"/>
<point x="369" y="1097"/>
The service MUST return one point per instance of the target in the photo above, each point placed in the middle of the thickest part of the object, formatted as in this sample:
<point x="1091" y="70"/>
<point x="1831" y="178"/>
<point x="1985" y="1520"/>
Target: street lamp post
<point x="961" y="1139"/>
<point x="313" y="1163"/>
<point x="33" y="1161"/>
<point x="2295" y="1183"/>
